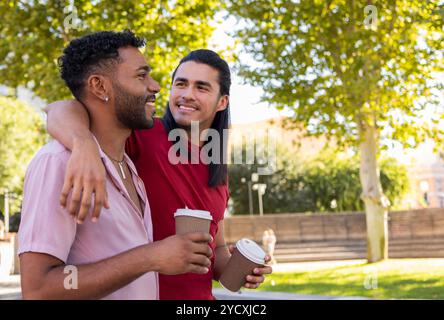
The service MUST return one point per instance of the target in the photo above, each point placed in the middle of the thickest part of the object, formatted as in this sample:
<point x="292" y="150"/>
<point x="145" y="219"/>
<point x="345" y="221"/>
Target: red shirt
<point x="170" y="187"/>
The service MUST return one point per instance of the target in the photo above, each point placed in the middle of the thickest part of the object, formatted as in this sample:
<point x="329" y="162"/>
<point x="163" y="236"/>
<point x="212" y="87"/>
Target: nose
<point x="188" y="93"/>
<point x="153" y="86"/>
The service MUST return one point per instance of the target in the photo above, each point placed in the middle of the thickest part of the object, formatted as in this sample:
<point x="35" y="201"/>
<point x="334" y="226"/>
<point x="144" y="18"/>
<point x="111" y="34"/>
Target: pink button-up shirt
<point x="47" y="228"/>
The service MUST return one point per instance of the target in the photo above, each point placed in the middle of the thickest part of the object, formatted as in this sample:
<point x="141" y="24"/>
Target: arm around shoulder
<point x="68" y="121"/>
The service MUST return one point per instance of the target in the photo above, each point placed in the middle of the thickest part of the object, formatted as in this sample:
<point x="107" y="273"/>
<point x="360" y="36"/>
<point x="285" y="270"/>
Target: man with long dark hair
<point x="199" y="95"/>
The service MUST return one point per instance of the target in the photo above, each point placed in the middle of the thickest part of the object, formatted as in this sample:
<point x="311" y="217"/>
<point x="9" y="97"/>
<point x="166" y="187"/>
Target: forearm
<point x="95" y="280"/>
<point x="222" y="255"/>
<point x="68" y="122"/>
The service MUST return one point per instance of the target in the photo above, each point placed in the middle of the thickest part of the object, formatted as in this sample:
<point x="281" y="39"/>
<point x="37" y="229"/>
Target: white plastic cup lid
<point x="251" y="250"/>
<point x="202" y="214"/>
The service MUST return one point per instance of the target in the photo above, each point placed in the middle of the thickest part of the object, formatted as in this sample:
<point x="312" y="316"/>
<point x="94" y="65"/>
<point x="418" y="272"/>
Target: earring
<point x="106" y="99"/>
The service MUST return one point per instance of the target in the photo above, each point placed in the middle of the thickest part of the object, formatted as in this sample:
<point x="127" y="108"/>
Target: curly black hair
<point x="96" y="52"/>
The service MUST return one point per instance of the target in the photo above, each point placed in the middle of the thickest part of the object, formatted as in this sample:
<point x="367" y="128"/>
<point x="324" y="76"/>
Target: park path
<point x="10" y="288"/>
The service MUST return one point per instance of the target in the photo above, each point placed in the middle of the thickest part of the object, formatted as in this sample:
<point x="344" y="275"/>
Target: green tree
<point x="285" y="191"/>
<point x="22" y="133"/>
<point x="328" y="182"/>
<point x="333" y="183"/>
<point x="358" y="71"/>
<point x="33" y="34"/>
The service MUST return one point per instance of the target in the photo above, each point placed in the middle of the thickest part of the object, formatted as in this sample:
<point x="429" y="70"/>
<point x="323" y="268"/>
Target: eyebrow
<point x="198" y="82"/>
<point x="146" y="68"/>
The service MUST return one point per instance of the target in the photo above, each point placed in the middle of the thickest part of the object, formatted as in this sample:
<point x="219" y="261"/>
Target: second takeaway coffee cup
<point x="188" y="220"/>
<point x="246" y="256"/>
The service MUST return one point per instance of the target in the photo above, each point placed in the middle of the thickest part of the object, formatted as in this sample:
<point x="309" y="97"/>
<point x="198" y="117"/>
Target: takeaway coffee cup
<point x="188" y="220"/>
<point x="246" y="256"/>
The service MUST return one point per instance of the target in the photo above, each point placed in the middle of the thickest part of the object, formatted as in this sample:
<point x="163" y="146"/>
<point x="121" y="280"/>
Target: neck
<point x="111" y="138"/>
<point x="194" y="138"/>
<point x="194" y="133"/>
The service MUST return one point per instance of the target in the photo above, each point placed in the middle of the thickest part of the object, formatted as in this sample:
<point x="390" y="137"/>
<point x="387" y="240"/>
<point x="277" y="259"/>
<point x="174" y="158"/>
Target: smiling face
<point x="134" y="90"/>
<point x="195" y="95"/>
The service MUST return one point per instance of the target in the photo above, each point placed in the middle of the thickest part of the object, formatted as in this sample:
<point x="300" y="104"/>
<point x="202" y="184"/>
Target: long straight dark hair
<point x="218" y="171"/>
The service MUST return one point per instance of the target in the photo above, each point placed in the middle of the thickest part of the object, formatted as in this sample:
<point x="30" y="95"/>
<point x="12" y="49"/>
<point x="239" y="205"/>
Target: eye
<point x="180" y="84"/>
<point x="142" y="75"/>
<point x="203" y="88"/>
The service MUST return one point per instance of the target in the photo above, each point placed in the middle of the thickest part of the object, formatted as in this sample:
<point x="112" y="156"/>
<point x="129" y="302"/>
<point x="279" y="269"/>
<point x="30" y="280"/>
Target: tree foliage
<point x="33" y="34"/>
<point x="328" y="182"/>
<point x="339" y="74"/>
<point x="22" y="133"/>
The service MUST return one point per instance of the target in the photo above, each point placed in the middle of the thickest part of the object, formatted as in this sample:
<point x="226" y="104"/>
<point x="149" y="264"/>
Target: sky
<point x="245" y="105"/>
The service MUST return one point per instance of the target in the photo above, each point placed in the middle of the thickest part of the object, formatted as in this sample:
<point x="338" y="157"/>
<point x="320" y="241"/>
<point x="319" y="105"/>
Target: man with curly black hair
<point x="113" y="257"/>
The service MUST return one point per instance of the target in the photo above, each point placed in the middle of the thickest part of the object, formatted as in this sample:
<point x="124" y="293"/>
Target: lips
<point x="186" y="107"/>
<point x="150" y="106"/>
<point x="151" y="99"/>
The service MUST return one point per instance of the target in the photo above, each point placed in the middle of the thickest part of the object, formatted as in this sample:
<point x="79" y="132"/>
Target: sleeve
<point x="45" y="227"/>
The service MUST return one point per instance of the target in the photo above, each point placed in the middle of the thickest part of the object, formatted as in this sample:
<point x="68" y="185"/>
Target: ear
<point x="223" y="103"/>
<point x="99" y="87"/>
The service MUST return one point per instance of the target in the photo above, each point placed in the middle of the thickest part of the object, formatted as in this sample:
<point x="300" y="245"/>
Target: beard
<point x="130" y="109"/>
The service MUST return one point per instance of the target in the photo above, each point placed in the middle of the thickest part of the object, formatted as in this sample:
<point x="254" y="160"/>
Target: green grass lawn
<point x="391" y="279"/>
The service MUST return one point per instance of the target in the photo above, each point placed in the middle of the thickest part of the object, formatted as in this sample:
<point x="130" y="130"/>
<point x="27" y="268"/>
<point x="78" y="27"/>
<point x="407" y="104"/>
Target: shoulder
<point x="45" y="174"/>
<point x="157" y="129"/>
<point x="224" y="190"/>
<point x="146" y="138"/>
<point x="53" y="152"/>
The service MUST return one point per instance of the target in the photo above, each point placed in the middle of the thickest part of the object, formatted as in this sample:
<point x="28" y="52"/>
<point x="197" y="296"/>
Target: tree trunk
<point x="375" y="202"/>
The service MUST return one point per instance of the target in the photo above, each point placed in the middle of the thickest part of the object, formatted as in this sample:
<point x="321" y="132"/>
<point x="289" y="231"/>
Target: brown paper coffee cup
<point x="188" y="220"/>
<point x="246" y="256"/>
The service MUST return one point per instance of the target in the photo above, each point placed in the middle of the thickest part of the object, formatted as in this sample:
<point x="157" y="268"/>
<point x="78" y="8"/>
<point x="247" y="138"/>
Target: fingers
<point x="255" y="279"/>
<point x="100" y="199"/>
<point x="199" y="237"/>
<point x="202" y="248"/>
<point x="75" y="199"/>
<point x="231" y="248"/>
<point x="200" y="260"/>
<point x="252" y="282"/>
<point x="263" y="270"/>
<point x="86" y="176"/>
<point x="252" y="285"/>
<point x="106" y="200"/>
<point x="67" y="184"/>
<point x="193" y="268"/>
<point x="82" y="196"/>
<point x="85" y="204"/>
